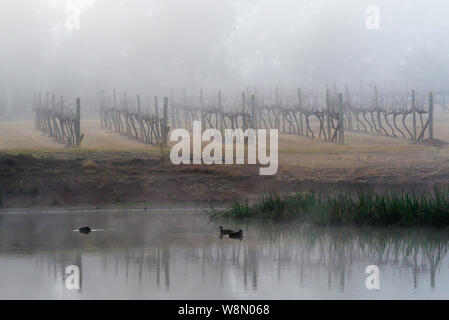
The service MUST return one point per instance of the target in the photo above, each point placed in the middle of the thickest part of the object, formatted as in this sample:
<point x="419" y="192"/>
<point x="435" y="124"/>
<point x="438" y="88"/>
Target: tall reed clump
<point x="364" y="208"/>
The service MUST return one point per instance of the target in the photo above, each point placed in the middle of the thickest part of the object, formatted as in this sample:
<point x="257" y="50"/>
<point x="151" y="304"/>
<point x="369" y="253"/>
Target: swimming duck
<point x="236" y="235"/>
<point x="225" y="231"/>
<point x="85" y="230"/>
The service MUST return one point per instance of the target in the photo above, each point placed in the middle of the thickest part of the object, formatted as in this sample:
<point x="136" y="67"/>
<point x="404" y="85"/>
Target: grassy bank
<point x="364" y="208"/>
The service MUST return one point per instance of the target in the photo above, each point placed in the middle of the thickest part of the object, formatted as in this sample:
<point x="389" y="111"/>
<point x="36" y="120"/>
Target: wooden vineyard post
<point x="430" y="115"/>
<point x="48" y="118"/>
<point x="34" y="109"/>
<point x="414" y="116"/>
<point x="201" y="99"/>
<point x="219" y="114"/>
<point x="376" y="104"/>
<point x="328" y="108"/>
<point x="203" y="120"/>
<point x="253" y="112"/>
<point x="300" y="112"/>
<point x="347" y="108"/>
<point x="277" y="124"/>
<point x="156" y="107"/>
<point x="125" y="104"/>
<point x="139" y="111"/>
<point x="101" y="109"/>
<point x="53" y="108"/>
<point x="78" y="123"/>
<point x="258" y="110"/>
<point x="184" y="102"/>
<point x="172" y="108"/>
<point x="277" y="97"/>
<point x="156" y="113"/>
<point x="114" y="98"/>
<point x="61" y="109"/>
<point x="243" y="101"/>
<point x="165" y="123"/>
<point x="39" y="116"/>
<point x="341" y="126"/>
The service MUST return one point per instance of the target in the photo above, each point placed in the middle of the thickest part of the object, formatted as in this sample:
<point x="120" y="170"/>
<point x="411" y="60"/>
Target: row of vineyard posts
<point x="150" y="128"/>
<point x="59" y="120"/>
<point x="390" y="118"/>
<point x="324" y="119"/>
<point x="289" y="120"/>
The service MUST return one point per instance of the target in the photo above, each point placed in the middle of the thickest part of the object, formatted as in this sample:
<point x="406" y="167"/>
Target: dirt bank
<point x="67" y="179"/>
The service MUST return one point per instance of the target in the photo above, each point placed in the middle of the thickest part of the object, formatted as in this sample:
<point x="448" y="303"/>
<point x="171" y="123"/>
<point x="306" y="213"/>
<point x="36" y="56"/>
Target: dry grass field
<point x="112" y="169"/>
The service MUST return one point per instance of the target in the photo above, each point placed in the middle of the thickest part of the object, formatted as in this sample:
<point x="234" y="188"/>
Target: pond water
<point x="179" y="255"/>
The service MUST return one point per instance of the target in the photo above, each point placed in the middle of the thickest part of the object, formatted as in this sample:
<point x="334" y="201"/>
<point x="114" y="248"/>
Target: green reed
<point x="363" y="208"/>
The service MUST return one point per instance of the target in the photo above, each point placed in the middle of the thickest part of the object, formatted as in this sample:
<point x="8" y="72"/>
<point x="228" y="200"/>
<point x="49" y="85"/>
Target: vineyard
<point x="61" y="121"/>
<point x="323" y="117"/>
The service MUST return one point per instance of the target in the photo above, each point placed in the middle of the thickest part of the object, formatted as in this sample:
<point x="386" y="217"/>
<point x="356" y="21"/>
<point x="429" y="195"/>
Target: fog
<point x="154" y="46"/>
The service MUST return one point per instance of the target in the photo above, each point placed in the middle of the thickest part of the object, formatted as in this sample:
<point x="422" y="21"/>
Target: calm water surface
<point x="179" y="255"/>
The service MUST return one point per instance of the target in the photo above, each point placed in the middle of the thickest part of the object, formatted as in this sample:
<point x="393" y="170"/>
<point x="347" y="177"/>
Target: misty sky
<point x="155" y="45"/>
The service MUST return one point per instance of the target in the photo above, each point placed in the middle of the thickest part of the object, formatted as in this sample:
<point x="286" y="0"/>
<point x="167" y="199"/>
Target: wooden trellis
<point x="391" y="118"/>
<point x="150" y="129"/>
<point x="59" y="121"/>
<point x="324" y="117"/>
<point x="297" y="120"/>
<point x="288" y="120"/>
